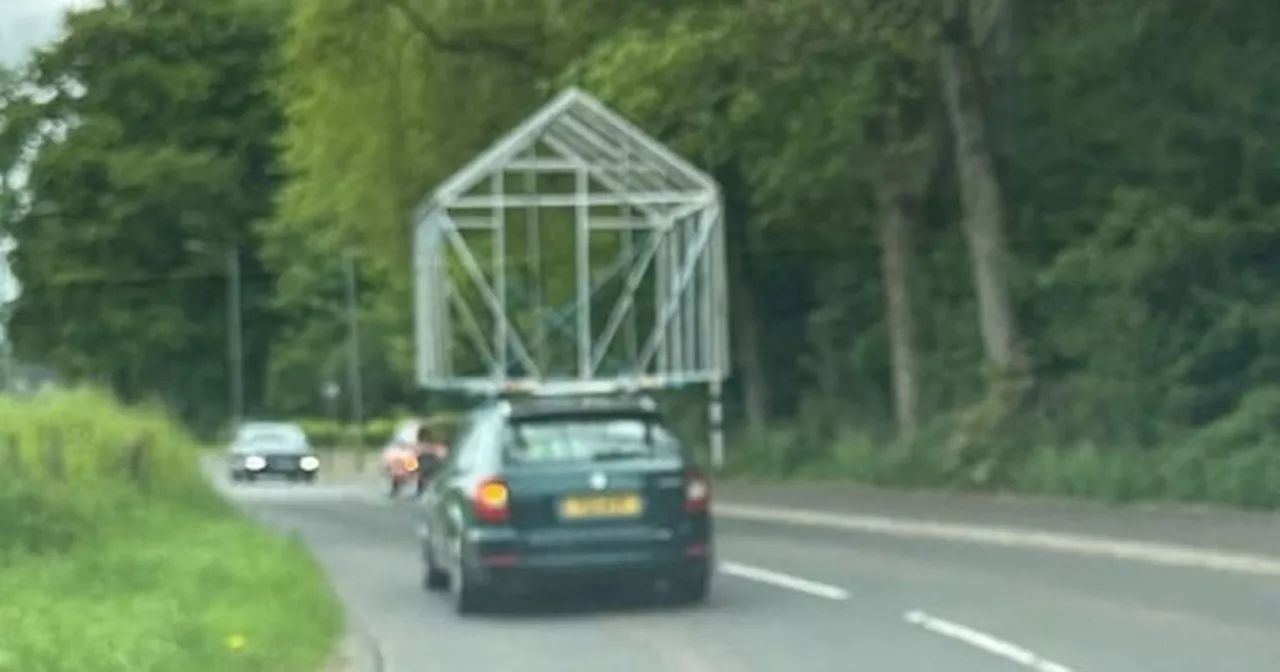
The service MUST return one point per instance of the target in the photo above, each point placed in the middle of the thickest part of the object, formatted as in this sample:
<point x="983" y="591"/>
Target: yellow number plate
<point x="623" y="506"/>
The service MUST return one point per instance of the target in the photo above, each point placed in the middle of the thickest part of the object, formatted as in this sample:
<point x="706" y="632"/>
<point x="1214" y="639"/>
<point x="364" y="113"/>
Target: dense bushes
<point x="114" y="554"/>
<point x="326" y="433"/>
<point x="1234" y="461"/>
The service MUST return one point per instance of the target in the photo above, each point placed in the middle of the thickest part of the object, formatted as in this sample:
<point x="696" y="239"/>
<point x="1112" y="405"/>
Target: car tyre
<point x="468" y="597"/>
<point x="434" y="579"/>
<point x="691" y="589"/>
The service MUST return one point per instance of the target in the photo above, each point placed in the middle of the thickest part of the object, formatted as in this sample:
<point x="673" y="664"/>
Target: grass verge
<point x="113" y="562"/>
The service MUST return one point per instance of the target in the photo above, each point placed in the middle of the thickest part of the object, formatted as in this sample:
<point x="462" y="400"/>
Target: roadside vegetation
<point x="979" y="244"/>
<point x="116" y="555"/>
<point x="1228" y="463"/>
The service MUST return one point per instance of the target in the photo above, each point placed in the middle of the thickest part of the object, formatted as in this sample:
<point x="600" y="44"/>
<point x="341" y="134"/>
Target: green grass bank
<point x="116" y="555"/>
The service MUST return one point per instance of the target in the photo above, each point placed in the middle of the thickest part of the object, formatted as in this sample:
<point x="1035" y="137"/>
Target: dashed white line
<point x="981" y="640"/>
<point x="784" y="581"/>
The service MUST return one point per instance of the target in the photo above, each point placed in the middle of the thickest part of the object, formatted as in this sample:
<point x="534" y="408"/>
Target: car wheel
<point x="692" y="588"/>
<point x="309" y="477"/>
<point x="236" y="477"/>
<point x="433" y="578"/>
<point x="468" y="598"/>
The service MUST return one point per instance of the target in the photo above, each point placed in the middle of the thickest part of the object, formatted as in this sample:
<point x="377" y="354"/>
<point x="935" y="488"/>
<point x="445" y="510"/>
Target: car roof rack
<point x="583" y="395"/>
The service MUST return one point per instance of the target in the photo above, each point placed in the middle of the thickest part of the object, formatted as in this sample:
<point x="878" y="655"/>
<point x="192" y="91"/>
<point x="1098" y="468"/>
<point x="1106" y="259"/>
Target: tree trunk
<point x="980" y="191"/>
<point x="749" y="355"/>
<point x="906" y="165"/>
<point x="747" y="351"/>
<point x="993" y="44"/>
<point x="895" y="229"/>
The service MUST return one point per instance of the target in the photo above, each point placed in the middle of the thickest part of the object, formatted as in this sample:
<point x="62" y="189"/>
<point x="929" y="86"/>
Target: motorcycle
<point x="412" y="465"/>
<point x="402" y="467"/>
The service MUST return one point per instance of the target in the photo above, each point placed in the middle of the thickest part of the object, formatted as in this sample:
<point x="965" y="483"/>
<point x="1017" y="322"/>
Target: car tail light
<point x="697" y="492"/>
<point x="492" y="501"/>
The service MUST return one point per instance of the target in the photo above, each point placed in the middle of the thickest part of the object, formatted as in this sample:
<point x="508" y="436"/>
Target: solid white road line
<point x="783" y="581"/>
<point x="981" y="640"/>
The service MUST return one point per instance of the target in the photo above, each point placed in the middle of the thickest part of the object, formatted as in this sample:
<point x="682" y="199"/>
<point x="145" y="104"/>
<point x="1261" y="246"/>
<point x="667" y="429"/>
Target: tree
<point x="1093" y="183"/>
<point x="156" y="132"/>
<point x="867" y="63"/>
<point x="982" y="195"/>
<point x="373" y="94"/>
<point x="13" y="139"/>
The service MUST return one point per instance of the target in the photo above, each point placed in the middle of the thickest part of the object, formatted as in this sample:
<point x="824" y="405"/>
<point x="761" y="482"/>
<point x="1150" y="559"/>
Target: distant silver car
<point x="279" y="449"/>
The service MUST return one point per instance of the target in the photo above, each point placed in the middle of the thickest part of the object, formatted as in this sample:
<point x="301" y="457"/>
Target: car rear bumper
<point x="502" y="560"/>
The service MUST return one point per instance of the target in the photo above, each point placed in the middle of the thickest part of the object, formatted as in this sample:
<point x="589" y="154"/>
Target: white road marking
<point x="784" y="581"/>
<point x="1170" y="555"/>
<point x="981" y="640"/>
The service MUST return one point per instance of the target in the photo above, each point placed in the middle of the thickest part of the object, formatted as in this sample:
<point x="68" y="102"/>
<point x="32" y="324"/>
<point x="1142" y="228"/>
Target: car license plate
<point x="615" y="506"/>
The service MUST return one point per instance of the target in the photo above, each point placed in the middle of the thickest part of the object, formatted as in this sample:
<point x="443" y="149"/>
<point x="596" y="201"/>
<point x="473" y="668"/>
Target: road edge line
<point x="1170" y="555"/>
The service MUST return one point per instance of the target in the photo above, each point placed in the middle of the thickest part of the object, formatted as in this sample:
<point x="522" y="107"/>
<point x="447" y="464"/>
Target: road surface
<point x="802" y="598"/>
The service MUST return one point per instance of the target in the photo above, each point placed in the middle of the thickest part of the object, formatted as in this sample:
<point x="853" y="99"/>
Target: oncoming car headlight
<point x="309" y="463"/>
<point x="254" y="463"/>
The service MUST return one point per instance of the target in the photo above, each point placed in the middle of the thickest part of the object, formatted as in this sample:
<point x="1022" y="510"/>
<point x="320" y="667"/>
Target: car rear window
<point x="577" y="439"/>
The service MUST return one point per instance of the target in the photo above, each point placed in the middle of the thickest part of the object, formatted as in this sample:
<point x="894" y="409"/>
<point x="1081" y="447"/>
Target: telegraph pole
<point x="235" y="335"/>
<point x="353" y="351"/>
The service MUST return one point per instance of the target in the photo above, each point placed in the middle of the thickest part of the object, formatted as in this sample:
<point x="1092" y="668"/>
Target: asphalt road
<point x="800" y="598"/>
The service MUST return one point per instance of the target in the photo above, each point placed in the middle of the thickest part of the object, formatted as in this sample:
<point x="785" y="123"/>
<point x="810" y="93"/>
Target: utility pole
<point x="353" y="353"/>
<point x="235" y="345"/>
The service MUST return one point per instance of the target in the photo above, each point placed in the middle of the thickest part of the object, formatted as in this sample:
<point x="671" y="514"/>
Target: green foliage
<point x="1132" y="139"/>
<point x="109" y="564"/>
<point x="83" y="437"/>
<point x="171" y="592"/>
<point x="155" y="134"/>
<point x="328" y="433"/>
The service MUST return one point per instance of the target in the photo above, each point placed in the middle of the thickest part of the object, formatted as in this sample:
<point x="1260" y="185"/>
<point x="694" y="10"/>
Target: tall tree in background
<point x="983" y="207"/>
<point x="157" y="140"/>
<point x="372" y="92"/>
<point x="16" y="132"/>
<point x="891" y="180"/>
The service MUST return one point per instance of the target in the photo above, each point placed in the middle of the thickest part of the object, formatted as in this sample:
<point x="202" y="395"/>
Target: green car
<point x="565" y="491"/>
